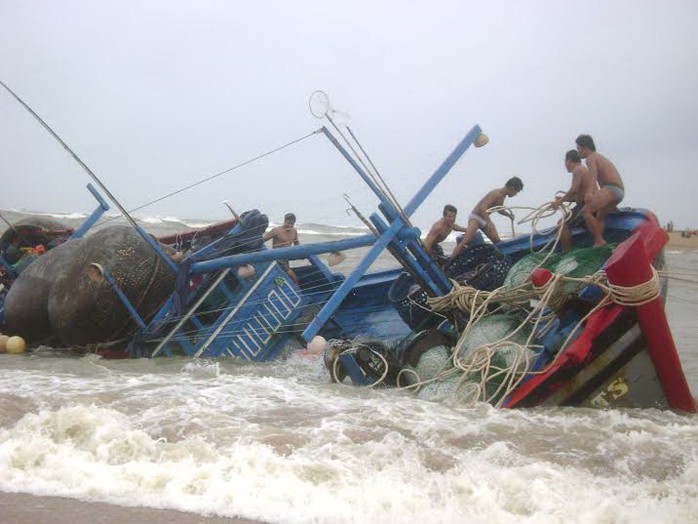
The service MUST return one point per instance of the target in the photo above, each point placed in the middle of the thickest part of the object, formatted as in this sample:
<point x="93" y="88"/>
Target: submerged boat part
<point x="20" y="242"/>
<point x="84" y="310"/>
<point x="26" y="304"/>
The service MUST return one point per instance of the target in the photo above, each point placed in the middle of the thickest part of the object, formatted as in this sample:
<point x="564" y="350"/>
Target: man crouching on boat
<point x="583" y="188"/>
<point x="440" y="230"/>
<point x="480" y="219"/>
<point x="284" y="236"/>
<point x="608" y="197"/>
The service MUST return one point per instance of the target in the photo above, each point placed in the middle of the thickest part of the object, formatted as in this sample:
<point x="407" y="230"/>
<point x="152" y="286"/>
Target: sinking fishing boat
<point x="515" y="324"/>
<point x="598" y="339"/>
<point x="583" y="328"/>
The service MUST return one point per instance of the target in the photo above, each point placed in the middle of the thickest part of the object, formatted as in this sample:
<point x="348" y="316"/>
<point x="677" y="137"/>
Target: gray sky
<point x="155" y="95"/>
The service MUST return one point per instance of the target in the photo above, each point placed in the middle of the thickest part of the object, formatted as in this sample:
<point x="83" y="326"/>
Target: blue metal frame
<point x="122" y="297"/>
<point x="254" y="319"/>
<point x="95" y="216"/>
<point x="388" y="235"/>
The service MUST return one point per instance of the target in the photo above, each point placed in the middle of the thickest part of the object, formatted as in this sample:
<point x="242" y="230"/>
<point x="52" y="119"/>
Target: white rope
<point x="636" y="295"/>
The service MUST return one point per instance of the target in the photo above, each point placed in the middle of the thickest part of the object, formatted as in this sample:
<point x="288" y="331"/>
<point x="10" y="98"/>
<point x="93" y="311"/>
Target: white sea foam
<point x="64" y="216"/>
<point x="68" y="216"/>
<point x="280" y="444"/>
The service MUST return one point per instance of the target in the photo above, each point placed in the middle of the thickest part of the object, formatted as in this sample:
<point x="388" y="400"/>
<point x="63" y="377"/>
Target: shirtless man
<point x="583" y="188"/>
<point x="608" y="197"/>
<point x="441" y="229"/>
<point x="480" y="219"/>
<point x="284" y="236"/>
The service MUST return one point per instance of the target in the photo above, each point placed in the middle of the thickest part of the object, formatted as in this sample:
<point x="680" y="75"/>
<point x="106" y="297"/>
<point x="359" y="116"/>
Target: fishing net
<point x="490" y="329"/>
<point x="575" y="263"/>
<point x="491" y="361"/>
<point x="451" y="389"/>
<point x="430" y="364"/>
<point x="410" y="301"/>
<point x="581" y="262"/>
<point x="481" y="266"/>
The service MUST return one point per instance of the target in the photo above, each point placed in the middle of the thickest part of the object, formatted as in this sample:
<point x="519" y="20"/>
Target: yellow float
<point x="15" y="345"/>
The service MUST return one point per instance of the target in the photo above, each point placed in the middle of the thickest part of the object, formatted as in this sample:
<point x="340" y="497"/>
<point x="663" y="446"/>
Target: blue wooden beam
<point x="442" y="170"/>
<point x="122" y="297"/>
<point x="387" y="236"/>
<point x="390" y="208"/>
<point x="95" y="216"/>
<point x="284" y="253"/>
<point x="345" y="288"/>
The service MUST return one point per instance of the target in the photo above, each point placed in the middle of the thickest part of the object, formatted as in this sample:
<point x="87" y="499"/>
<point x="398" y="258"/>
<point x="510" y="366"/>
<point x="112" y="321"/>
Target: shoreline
<point x="24" y="508"/>
<point x="676" y="241"/>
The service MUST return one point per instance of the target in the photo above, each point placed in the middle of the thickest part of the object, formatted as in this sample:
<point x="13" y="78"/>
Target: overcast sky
<point x="155" y="95"/>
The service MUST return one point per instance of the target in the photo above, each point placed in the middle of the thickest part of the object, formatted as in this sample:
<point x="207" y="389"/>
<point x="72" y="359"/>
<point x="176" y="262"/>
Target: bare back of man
<point x="582" y="188"/>
<point x="611" y="192"/>
<point x="588" y="186"/>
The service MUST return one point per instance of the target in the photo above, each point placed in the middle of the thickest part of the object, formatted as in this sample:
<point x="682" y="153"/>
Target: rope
<point x="220" y="173"/>
<point x="534" y="216"/>
<point x="352" y="347"/>
<point x="636" y="295"/>
<point x="551" y="298"/>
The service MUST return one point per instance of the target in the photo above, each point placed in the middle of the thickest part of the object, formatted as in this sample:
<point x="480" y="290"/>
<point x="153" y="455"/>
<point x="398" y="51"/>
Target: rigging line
<point x="211" y="177"/>
<point x="380" y="178"/>
<point x="360" y="159"/>
<point x="72" y="154"/>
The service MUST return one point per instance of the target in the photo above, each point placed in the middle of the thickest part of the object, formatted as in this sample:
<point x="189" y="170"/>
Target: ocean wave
<point x="64" y="216"/>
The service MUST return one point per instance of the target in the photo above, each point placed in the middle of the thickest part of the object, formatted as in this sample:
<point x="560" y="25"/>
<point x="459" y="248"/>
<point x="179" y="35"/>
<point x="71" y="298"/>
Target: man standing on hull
<point x="610" y="194"/>
<point x="284" y="236"/>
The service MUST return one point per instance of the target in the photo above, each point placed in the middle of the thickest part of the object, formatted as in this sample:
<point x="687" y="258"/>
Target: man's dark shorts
<point x="576" y="218"/>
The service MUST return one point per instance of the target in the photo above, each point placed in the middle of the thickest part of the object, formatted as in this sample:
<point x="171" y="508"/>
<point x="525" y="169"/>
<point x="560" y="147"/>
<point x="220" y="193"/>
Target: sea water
<point x="278" y="442"/>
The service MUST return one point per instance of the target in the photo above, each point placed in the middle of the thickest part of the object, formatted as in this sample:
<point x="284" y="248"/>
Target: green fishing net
<point x="499" y="369"/>
<point x="491" y="329"/>
<point x="460" y="389"/>
<point x="430" y="364"/>
<point x="451" y="389"/>
<point x="575" y="263"/>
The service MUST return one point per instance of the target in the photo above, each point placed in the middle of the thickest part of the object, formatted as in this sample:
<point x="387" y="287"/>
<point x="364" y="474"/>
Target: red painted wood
<point x="629" y="266"/>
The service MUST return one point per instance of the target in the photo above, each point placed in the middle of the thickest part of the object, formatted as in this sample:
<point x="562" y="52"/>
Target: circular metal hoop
<point x="319" y="104"/>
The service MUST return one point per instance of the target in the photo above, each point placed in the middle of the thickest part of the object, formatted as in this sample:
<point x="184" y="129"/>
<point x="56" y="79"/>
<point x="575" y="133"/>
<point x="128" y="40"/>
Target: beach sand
<point x="676" y="241"/>
<point x="20" y="508"/>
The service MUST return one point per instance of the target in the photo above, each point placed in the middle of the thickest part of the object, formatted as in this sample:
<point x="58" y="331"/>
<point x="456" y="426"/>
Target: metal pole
<point x="94" y="177"/>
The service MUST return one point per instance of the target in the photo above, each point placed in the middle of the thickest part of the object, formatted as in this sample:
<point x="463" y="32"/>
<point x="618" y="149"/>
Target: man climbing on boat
<point x="608" y="197"/>
<point x="480" y="219"/>
<point x="285" y="235"/>
<point x="441" y="229"/>
<point x="583" y="188"/>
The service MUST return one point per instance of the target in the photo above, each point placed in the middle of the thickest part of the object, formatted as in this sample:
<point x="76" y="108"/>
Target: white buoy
<point x="3" y="343"/>
<point x="246" y="271"/>
<point x="481" y="140"/>
<point x="15" y="345"/>
<point x="316" y="345"/>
